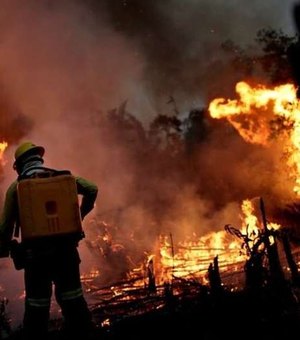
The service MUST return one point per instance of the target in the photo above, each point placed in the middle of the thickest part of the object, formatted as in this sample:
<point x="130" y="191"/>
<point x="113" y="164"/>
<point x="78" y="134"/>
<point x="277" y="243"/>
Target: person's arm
<point x="8" y="219"/>
<point x="89" y="192"/>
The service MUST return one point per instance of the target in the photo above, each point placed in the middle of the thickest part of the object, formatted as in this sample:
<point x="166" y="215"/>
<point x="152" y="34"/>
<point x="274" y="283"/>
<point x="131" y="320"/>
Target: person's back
<point x="43" y="203"/>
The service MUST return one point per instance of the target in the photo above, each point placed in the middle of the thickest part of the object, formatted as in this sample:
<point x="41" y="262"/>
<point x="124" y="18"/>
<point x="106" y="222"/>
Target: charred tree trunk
<point x="255" y="272"/>
<point x="151" y="277"/>
<point x="276" y="273"/>
<point x="214" y="277"/>
<point x="290" y="259"/>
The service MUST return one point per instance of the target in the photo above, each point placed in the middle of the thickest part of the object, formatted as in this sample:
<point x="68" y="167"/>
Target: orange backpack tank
<point x="48" y="206"/>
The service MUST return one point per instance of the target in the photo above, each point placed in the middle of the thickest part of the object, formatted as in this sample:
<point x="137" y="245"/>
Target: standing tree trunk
<point x="215" y="277"/>
<point x="289" y="256"/>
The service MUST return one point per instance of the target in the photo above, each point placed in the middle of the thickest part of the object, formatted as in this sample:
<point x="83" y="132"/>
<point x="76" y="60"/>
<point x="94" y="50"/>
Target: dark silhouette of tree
<point x="120" y="125"/>
<point x="241" y="60"/>
<point x="196" y="128"/>
<point x="274" y="60"/>
<point x="268" y="60"/>
<point x="165" y="132"/>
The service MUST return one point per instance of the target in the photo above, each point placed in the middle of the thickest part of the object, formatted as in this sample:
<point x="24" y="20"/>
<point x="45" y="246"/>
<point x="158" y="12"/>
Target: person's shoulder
<point x="12" y="188"/>
<point x="86" y="182"/>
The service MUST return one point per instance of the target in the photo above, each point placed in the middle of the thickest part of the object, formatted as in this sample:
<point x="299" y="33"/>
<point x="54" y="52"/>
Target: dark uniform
<point x="47" y="261"/>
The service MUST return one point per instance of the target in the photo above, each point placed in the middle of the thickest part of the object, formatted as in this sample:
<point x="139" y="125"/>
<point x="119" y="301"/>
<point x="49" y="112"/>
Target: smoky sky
<point x="113" y="50"/>
<point x="179" y="39"/>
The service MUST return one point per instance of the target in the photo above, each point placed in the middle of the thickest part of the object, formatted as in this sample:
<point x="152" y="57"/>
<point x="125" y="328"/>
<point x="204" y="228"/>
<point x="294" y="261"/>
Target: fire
<point x="190" y="259"/>
<point x="252" y="224"/>
<point x="3" y="146"/>
<point x="283" y="97"/>
<point x="256" y="113"/>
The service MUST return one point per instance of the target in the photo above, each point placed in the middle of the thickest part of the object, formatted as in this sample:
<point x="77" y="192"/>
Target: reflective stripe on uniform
<point x="72" y="294"/>
<point x="43" y="302"/>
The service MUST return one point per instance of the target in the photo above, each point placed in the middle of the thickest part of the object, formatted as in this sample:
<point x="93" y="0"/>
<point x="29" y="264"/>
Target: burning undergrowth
<point x="185" y="215"/>
<point x="124" y="268"/>
<point x="210" y="281"/>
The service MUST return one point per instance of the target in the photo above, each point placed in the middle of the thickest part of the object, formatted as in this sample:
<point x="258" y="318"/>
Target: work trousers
<point x="58" y="268"/>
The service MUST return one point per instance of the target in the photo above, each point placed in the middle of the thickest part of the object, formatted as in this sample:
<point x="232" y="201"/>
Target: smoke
<point x="63" y="64"/>
<point x="181" y="39"/>
<point x="58" y="65"/>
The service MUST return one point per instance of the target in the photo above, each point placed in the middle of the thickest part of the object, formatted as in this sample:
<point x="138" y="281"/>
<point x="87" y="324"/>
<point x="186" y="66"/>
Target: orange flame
<point x="252" y="115"/>
<point x="190" y="259"/>
<point x="3" y="146"/>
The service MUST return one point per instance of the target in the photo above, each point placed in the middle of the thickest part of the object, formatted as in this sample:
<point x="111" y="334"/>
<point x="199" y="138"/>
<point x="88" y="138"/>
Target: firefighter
<point x="48" y="260"/>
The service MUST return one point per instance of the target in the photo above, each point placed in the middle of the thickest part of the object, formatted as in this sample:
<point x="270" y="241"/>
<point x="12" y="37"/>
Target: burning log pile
<point x="258" y="269"/>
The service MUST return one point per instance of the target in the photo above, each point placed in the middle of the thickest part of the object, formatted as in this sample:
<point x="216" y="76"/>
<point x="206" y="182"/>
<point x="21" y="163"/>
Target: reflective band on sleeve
<point x="72" y="294"/>
<point x="38" y="302"/>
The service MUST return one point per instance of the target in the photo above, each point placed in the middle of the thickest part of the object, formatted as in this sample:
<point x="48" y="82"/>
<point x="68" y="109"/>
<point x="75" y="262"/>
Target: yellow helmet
<point x="28" y="147"/>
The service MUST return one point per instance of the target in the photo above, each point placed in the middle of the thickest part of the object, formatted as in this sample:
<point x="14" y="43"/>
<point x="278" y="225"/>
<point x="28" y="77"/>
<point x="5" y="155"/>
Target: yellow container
<point x="48" y="206"/>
